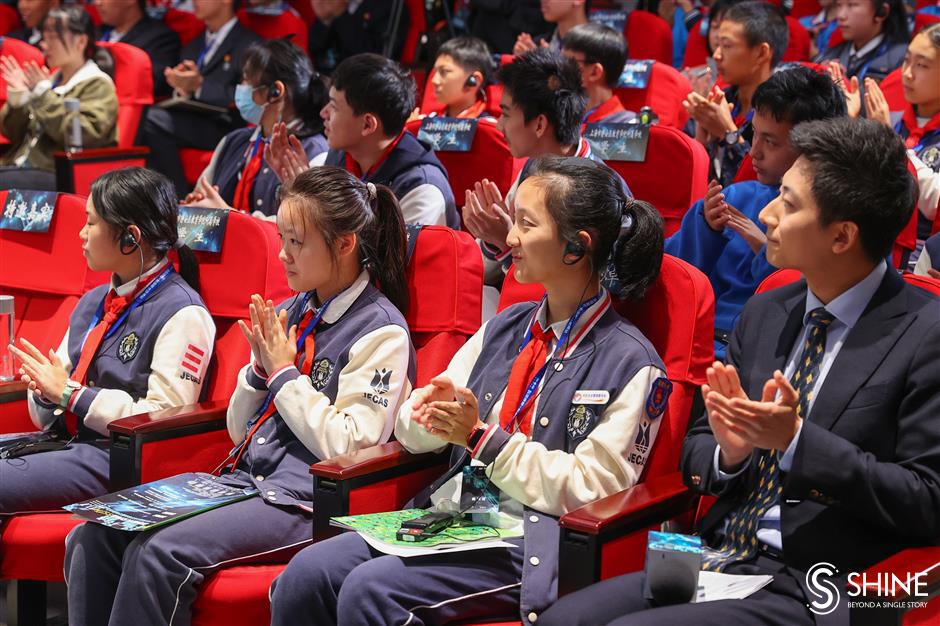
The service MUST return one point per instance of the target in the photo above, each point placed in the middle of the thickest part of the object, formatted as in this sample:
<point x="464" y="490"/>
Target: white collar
<point x="222" y="33"/>
<point x="344" y="299"/>
<point x="89" y="70"/>
<point x="353" y="6"/>
<point x="590" y="317"/>
<point x="868" y="47"/>
<point x="128" y="288"/>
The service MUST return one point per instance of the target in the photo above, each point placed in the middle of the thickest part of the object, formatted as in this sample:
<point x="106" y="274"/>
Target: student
<point x="345" y="28"/>
<point x="564" y="14"/>
<point x="208" y="72"/>
<point x="821" y="26"/>
<point x="831" y="383"/>
<point x="752" y="39"/>
<point x="499" y="23"/>
<point x="33" y="14"/>
<point x="370" y="100"/>
<point x="876" y="37"/>
<point x="720" y="234"/>
<point x="928" y="263"/>
<point x="462" y="71"/>
<point x="600" y="53"/>
<point x="278" y="86"/>
<point x="569" y="214"/>
<point x="124" y="347"/>
<point x="306" y="395"/>
<point x="33" y="118"/>
<point x="127" y="21"/>
<point x="918" y="123"/>
<point x="542" y="106"/>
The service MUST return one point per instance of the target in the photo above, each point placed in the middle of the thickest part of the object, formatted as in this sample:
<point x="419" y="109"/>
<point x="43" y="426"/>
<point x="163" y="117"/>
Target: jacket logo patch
<point x="128" y="348"/>
<point x="931" y="157"/>
<point x="579" y="419"/>
<point x="321" y="373"/>
<point x="642" y="441"/>
<point x="658" y="399"/>
<point x="380" y="382"/>
<point x="590" y="396"/>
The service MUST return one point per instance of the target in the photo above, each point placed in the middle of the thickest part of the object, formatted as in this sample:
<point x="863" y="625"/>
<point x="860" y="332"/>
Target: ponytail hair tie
<point x="371" y="188"/>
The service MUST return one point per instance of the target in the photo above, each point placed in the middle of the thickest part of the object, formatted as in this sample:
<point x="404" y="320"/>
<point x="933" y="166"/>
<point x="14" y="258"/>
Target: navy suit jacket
<point x="865" y="479"/>
<point x="160" y="43"/>
<point x="224" y="70"/>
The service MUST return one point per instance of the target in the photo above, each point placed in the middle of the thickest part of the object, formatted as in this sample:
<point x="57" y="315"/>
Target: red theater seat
<point x="648" y="37"/>
<point x="287" y="24"/>
<point x="9" y="19"/>
<point x="430" y="105"/>
<point x="673" y="176"/>
<point x="665" y="92"/>
<point x="22" y="52"/>
<point x="489" y="157"/>
<point x="184" y="24"/>
<point x="194" y="162"/>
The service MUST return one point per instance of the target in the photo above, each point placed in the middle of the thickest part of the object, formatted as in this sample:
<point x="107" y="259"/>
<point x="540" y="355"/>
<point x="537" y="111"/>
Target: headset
<point x="881" y="9"/>
<point x="573" y="248"/>
<point x="273" y="93"/>
<point x="472" y="81"/>
<point x="128" y="241"/>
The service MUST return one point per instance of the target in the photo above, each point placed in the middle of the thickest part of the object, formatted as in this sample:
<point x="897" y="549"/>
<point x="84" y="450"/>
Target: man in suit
<point x="33" y="13"/>
<point x="127" y="21"/>
<point x="210" y="67"/>
<point x="821" y="438"/>
<point x="345" y="28"/>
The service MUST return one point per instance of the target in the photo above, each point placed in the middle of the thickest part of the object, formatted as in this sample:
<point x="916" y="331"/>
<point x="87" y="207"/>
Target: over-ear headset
<point x="881" y="8"/>
<point x="472" y="81"/>
<point x="128" y="241"/>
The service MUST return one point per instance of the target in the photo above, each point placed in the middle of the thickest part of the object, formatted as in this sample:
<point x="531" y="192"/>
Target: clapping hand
<point x="285" y="155"/>
<point x="272" y="345"/>
<point x="445" y="411"/>
<point x="486" y="214"/>
<point x="43" y="374"/>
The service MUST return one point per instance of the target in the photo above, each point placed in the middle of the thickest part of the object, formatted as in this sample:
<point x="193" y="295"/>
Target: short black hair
<point x="763" y="23"/>
<point x="895" y="25"/>
<point x="375" y="84"/>
<point x="545" y="82"/>
<point x="798" y="94"/>
<point x="860" y="174"/>
<point x="599" y="44"/>
<point x="470" y="53"/>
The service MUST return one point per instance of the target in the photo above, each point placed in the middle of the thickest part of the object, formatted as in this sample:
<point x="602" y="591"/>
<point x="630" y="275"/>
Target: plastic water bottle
<point x="7" y="372"/>
<point x="73" y="125"/>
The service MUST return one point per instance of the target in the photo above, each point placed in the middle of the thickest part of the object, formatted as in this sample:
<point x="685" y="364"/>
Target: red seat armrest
<point x="75" y="171"/>
<point x="895" y="586"/>
<point x="364" y="465"/>
<point x="13" y="391"/>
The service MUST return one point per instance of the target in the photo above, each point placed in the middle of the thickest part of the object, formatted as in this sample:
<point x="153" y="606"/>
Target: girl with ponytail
<point x="553" y="404"/>
<point x="329" y="370"/>
<point x="279" y="89"/>
<point x="140" y="343"/>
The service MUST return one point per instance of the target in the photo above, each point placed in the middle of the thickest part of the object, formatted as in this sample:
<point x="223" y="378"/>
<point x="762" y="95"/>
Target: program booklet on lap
<point x="160" y="502"/>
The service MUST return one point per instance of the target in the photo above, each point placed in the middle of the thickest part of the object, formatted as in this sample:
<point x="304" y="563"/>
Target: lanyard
<point x="252" y="150"/>
<point x="140" y="299"/>
<point x="562" y="341"/>
<point x="900" y="127"/>
<point x="864" y="69"/>
<point x="747" y="118"/>
<point x="300" y="342"/>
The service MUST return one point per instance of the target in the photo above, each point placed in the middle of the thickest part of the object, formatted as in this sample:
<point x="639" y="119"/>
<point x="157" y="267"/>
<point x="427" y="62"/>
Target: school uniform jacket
<point x="594" y="423"/>
<point x="363" y="369"/>
<point x="877" y="63"/>
<point x="925" y="157"/>
<point x="416" y="176"/>
<point x="156" y="359"/>
<point x="610" y="111"/>
<point x="228" y="162"/>
<point x="162" y="45"/>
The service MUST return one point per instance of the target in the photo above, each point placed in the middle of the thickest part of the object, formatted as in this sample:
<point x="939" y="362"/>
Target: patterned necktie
<point x="524" y="368"/>
<point x="740" y="541"/>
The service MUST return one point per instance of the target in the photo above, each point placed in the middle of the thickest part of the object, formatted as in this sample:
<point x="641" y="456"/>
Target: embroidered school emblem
<point x="642" y="441"/>
<point x="579" y="418"/>
<point x="659" y="397"/>
<point x="931" y="157"/>
<point x="321" y="373"/>
<point x="380" y="380"/>
<point x="128" y="347"/>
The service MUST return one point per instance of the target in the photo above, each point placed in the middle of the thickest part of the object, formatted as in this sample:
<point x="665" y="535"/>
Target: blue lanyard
<point x="880" y="51"/>
<point x="537" y="379"/>
<point x="588" y="114"/>
<point x="300" y="342"/>
<point x="900" y="126"/>
<point x="140" y="299"/>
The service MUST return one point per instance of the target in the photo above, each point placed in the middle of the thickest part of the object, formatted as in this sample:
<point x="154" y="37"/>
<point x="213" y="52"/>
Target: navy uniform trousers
<point x="49" y="480"/>
<point x="620" y="601"/>
<point x="151" y="578"/>
<point x="345" y="581"/>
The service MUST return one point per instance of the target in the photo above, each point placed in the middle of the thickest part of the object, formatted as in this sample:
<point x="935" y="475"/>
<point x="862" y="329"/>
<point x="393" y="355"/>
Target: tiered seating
<point x="664" y="93"/>
<point x="287" y="24"/>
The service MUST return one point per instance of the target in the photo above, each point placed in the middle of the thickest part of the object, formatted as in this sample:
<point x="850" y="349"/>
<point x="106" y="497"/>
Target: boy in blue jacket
<point x="721" y="234"/>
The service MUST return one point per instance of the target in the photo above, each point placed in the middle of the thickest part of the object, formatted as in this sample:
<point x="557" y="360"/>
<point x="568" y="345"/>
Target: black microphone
<point x="670" y="581"/>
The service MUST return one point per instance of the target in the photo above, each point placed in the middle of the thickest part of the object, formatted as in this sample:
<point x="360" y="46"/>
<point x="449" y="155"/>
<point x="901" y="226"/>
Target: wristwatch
<point x="475" y="435"/>
<point x="70" y="387"/>
<point x="732" y="136"/>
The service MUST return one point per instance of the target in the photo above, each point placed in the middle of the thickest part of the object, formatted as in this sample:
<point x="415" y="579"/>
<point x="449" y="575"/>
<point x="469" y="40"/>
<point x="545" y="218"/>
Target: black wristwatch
<point x="732" y="137"/>
<point x="475" y="435"/>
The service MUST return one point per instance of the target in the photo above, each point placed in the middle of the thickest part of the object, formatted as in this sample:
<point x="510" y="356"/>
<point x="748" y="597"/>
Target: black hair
<point x="471" y="54"/>
<point x="279" y="59"/>
<point x="599" y="44"/>
<point x="763" y="23"/>
<point x="75" y="20"/>
<point x="932" y="33"/>
<point x="143" y="6"/>
<point x="860" y="174"/>
<point x="894" y="27"/>
<point x="336" y="203"/>
<point x="145" y="199"/>
<point x="375" y="84"/>
<point x="581" y="194"/>
<point x="799" y="94"/>
<point x="545" y="82"/>
<point x="716" y="13"/>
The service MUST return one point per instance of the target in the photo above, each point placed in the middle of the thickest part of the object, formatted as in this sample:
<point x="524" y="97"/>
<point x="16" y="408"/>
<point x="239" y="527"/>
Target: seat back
<point x="22" y="52"/>
<point x="416" y="24"/>
<point x="430" y="105"/>
<point x="648" y="37"/>
<point x="893" y="89"/>
<point x="673" y="176"/>
<point x="678" y="317"/>
<point x="247" y="264"/>
<point x="286" y="24"/>
<point x="133" y="80"/>
<point x="780" y="278"/>
<point x="664" y="93"/>
<point x="184" y="24"/>
<point x="445" y="290"/>
<point x="696" y="47"/>
<point x="798" y="45"/>
<point x="489" y="157"/>
<point x="9" y="19"/>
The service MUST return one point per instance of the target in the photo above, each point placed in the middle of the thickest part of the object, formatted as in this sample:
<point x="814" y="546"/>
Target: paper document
<point x="717" y="586"/>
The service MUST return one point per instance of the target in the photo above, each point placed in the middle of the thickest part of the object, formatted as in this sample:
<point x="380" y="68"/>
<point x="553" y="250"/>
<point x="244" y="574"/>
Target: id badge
<point x="478" y="494"/>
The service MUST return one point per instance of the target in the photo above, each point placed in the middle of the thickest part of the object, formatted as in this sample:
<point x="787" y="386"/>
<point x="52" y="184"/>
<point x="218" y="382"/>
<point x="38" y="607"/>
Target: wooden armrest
<point x="12" y="391"/>
<point x="165" y="421"/>
<point x="649" y="502"/>
<point x="371" y="461"/>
